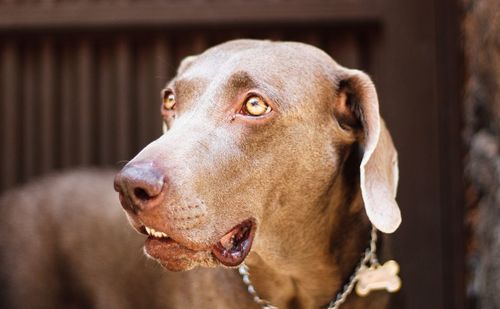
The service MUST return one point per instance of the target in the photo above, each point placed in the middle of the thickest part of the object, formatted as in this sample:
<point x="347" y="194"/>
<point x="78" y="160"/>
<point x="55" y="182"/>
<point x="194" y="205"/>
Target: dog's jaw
<point x="176" y="257"/>
<point x="230" y="250"/>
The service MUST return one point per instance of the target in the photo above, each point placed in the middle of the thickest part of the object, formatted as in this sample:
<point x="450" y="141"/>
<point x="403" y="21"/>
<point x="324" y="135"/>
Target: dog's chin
<point x="176" y="257"/>
<point x="231" y="250"/>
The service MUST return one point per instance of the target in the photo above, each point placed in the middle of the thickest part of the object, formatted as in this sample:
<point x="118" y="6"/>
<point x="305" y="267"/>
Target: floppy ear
<point x="379" y="165"/>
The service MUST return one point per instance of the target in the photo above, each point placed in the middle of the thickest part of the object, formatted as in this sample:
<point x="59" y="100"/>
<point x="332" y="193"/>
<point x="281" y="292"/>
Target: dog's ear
<point x="186" y="63"/>
<point x="357" y="108"/>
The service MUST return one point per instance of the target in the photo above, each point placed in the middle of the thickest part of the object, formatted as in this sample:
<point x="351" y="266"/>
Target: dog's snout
<point x="140" y="186"/>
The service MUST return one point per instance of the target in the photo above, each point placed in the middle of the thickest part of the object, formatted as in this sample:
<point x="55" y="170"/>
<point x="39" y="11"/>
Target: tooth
<point x="227" y="241"/>
<point x="155" y="233"/>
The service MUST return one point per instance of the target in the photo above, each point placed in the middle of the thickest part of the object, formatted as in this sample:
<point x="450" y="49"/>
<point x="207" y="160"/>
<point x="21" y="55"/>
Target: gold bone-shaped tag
<point x="378" y="277"/>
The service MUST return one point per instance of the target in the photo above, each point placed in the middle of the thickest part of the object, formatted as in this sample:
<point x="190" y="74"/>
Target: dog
<point x="274" y="157"/>
<point x="270" y="152"/>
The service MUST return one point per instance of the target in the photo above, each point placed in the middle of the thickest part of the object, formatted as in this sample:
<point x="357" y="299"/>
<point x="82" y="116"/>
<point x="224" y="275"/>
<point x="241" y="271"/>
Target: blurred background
<point x="80" y="85"/>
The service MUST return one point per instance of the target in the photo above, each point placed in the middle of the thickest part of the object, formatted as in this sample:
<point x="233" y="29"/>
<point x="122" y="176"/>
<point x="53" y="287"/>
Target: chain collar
<point x="369" y="258"/>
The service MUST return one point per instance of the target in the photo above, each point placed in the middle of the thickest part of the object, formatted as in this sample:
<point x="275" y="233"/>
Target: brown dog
<point x="271" y="154"/>
<point x="271" y="151"/>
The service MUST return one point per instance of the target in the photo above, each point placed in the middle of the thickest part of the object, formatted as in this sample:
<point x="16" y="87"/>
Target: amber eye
<point x="255" y="106"/>
<point x="168" y="101"/>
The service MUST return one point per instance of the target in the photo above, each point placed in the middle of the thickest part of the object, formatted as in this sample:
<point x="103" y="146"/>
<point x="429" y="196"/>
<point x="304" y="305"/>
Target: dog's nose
<point x="141" y="184"/>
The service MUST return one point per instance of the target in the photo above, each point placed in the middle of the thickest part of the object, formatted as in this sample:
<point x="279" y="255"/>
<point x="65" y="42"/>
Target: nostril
<point x="142" y="194"/>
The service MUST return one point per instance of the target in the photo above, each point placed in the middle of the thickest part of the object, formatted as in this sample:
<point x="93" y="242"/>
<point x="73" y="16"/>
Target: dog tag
<point x="378" y="277"/>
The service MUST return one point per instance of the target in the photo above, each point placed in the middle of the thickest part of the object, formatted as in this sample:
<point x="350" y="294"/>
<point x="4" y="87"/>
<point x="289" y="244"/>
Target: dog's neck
<point x="314" y="267"/>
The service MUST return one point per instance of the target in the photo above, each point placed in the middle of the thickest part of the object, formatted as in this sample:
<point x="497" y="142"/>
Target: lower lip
<point x="176" y="257"/>
<point x="172" y="255"/>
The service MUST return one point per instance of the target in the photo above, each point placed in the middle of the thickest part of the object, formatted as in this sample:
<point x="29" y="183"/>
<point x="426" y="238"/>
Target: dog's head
<point x="256" y="135"/>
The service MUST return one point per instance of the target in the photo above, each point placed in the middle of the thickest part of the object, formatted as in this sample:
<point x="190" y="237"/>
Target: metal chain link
<point x="369" y="258"/>
<point x="245" y="274"/>
<point x="369" y="255"/>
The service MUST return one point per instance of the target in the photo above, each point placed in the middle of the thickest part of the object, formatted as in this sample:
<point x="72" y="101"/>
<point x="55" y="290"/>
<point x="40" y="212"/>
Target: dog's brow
<point x="242" y="80"/>
<point x="187" y="86"/>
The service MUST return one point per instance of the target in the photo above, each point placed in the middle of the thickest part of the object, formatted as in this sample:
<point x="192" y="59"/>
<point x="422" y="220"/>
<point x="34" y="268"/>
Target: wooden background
<point x="80" y="83"/>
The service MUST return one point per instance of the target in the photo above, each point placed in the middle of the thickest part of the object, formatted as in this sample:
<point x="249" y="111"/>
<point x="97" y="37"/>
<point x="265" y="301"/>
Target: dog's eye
<point x="255" y="106"/>
<point x="168" y="100"/>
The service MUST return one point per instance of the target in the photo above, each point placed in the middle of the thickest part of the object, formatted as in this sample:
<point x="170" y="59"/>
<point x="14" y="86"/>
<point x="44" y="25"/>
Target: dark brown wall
<point x="80" y="82"/>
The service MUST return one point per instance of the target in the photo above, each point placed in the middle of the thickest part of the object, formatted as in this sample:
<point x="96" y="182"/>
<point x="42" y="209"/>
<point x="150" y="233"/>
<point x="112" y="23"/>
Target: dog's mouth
<point x="230" y="250"/>
<point x="235" y="245"/>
